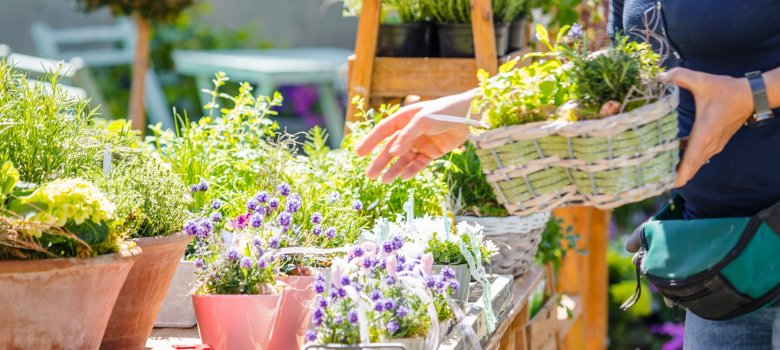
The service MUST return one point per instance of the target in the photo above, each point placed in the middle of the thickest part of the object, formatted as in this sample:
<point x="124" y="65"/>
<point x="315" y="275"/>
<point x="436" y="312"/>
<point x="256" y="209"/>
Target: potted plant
<point x="404" y="30"/>
<point x="515" y="12"/>
<point x="473" y="200"/>
<point x="453" y="21"/>
<point x="63" y="258"/>
<point x="153" y="203"/>
<point x="578" y="126"/>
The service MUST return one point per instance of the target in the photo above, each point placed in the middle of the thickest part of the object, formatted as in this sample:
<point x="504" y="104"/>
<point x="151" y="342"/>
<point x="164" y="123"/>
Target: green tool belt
<point x="716" y="268"/>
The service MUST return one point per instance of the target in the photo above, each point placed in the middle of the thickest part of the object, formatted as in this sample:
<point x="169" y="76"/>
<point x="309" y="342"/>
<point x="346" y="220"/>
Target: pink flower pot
<point x="229" y="322"/>
<point x="297" y="297"/>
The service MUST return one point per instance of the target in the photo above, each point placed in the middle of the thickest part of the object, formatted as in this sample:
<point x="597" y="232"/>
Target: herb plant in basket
<point x="578" y="126"/>
<point x="63" y="258"/>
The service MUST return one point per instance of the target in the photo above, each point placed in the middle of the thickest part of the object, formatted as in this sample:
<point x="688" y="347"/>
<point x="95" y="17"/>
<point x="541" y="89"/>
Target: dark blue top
<point x="726" y="37"/>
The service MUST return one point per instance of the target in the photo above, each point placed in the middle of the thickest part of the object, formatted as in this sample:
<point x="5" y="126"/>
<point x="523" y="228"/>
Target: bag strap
<point x="637" y="260"/>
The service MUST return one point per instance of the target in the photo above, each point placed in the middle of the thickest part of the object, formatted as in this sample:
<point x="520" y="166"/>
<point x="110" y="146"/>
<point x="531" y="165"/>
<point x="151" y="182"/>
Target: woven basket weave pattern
<point x="604" y="163"/>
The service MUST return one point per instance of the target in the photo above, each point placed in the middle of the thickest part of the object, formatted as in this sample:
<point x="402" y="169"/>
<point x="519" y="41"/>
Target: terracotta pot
<point x="176" y="310"/>
<point x="139" y="301"/>
<point x="463" y="275"/>
<point x="297" y="297"/>
<point x="227" y="322"/>
<point x="59" y="303"/>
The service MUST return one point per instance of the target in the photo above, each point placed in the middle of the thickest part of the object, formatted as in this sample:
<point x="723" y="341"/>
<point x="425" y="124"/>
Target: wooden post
<point x="484" y="35"/>
<point x="586" y="275"/>
<point x="365" y="51"/>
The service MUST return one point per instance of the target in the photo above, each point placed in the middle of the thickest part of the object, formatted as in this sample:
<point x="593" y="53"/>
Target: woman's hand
<point x="723" y="104"/>
<point x="416" y="138"/>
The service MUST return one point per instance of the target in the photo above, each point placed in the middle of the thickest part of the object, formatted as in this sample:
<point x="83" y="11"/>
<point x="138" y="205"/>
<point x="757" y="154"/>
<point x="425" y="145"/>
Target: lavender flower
<point x="454" y="285"/>
<point x="393" y="326"/>
<point x="190" y="228"/>
<point x="251" y="205"/>
<point x="357" y="205"/>
<point x="232" y="254"/>
<point x="575" y="32"/>
<point x="319" y="287"/>
<point x="334" y="197"/>
<point x="194" y="188"/>
<point x="379" y="306"/>
<point x="322" y="302"/>
<point x="352" y="316"/>
<point x="316" y="218"/>
<point x="402" y="311"/>
<point x="430" y="282"/>
<point x="338" y="319"/>
<point x="200" y="263"/>
<point x="246" y="263"/>
<point x="330" y="232"/>
<point x="273" y="204"/>
<point x="389" y="305"/>
<point x="440" y="284"/>
<point x="262" y="197"/>
<point x="387" y="247"/>
<point x="317" y="230"/>
<point x="345" y="281"/>
<point x="216" y="216"/>
<point x="448" y="272"/>
<point x="311" y="335"/>
<point x="256" y="220"/>
<point x="294" y="203"/>
<point x="375" y="295"/>
<point x="284" y="219"/>
<point x="284" y="189"/>
<point x="316" y="316"/>
<point x="203" y="186"/>
<point x="367" y="262"/>
<point x="390" y="280"/>
<point x="398" y="242"/>
<point x="357" y="252"/>
<point x="342" y="292"/>
<point x="273" y="243"/>
<point x="261" y="264"/>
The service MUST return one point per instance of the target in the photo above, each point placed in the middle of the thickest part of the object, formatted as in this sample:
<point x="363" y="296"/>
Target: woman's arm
<point x="723" y="105"/>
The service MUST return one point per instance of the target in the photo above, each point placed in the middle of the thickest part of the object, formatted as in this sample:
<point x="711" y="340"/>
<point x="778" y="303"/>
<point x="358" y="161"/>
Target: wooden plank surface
<point x="434" y="77"/>
<point x="522" y="289"/>
<point x="365" y="52"/>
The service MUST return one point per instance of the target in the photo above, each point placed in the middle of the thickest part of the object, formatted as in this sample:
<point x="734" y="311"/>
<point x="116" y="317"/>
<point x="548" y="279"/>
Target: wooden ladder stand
<point x="393" y="77"/>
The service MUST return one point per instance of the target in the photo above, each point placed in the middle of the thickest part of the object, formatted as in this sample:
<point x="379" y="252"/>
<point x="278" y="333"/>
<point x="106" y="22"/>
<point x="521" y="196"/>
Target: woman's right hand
<point x="416" y="136"/>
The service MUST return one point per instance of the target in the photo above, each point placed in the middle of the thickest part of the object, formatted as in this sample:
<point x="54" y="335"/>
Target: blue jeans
<point x="759" y="330"/>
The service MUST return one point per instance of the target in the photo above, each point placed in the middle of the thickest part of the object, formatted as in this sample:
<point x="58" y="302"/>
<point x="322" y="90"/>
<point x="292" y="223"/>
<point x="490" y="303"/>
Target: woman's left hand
<point x="723" y="104"/>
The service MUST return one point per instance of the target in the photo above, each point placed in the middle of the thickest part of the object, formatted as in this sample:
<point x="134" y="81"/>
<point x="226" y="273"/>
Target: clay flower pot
<point x="147" y="283"/>
<point x="176" y="310"/>
<point x="297" y="297"/>
<point x="228" y="322"/>
<point x="59" y="303"/>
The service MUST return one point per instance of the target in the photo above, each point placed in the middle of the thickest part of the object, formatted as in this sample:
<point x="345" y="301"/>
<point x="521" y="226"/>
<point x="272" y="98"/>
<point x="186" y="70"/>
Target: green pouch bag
<point x="716" y="268"/>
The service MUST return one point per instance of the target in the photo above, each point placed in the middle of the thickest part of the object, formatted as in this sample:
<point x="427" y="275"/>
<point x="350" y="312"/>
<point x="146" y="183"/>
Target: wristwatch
<point x="762" y="113"/>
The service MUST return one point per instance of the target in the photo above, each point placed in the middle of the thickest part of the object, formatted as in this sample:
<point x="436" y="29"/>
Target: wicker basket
<point x="603" y="163"/>
<point x="517" y="239"/>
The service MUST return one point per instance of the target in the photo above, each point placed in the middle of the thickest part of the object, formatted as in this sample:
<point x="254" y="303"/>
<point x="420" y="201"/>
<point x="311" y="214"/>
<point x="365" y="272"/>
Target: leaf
<point x="561" y="33"/>
<point x="89" y="232"/>
<point x="543" y="36"/>
<point x="9" y="176"/>
<point x="547" y="87"/>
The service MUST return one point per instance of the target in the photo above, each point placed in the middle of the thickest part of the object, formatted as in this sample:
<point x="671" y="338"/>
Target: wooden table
<point x="268" y="69"/>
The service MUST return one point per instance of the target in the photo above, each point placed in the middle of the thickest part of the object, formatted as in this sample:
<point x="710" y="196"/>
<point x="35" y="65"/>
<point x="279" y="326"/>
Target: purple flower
<point x="319" y="287"/>
<point x="330" y="232"/>
<point x="273" y="242"/>
<point x="342" y="292"/>
<point x="284" y="219"/>
<point x="338" y="319"/>
<point x="454" y="285"/>
<point x="262" y="196"/>
<point x="379" y="306"/>
<point x="194" y="188"/>
<point x="357" y="205"/>
<point x="345" y="281"/>
<point x="389" y="305"/>
<point x="367" y="262"/>
<point x="447" y="272"/>
<point x="241" y="221"/>
<point x="190" y="228"/>
<point x="430" y="282"/>
<point x="322" y="302"/>
<point x="398" y="242"/>
<point x="246" y="263"/>
<point x="390" y="280"/>
<point x="393" y="326"/>
<point x="261" y="264"/>
<point x="232" y="254"/>
<point x="294" y="203"/>
<point x="319" y="277"/>
<point x="316" y="316"/>
<point x="316" y="218"/>
<point x="334" y="197"/>
<point x="256" y="220"/>
<point x="203" y="186"/>
<point x="375" y="295"/>
<point x="402" y="311"/>
<point x="251" y="205"/>
<point x="575" y="32"/>
<point x="387" y="247"/>
<point x="317" y="230"/>
<point x="357" y="252"/>
<point x="273" y="204"/>
<point x="216" y="216"/>
<point x="311" y="335"/>
<point x="284" y="189"/>
<point x="440" y="285"/>
<point x="352" y="316"/>
<point x="216" y="204"/>
<point x="200" y="263"/>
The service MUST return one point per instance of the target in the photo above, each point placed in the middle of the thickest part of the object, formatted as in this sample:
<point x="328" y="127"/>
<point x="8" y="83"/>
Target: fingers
<point x="399" y="166"/>
<point x="386" y="128"/>
<point x="380" y="162"/>
<point x="408" y="135"/>
<point x="684" y="78"/>
<point x="416" y="166"/>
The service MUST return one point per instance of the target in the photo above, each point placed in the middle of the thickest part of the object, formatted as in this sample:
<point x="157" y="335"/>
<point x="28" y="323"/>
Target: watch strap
<point x="762" y="111"/>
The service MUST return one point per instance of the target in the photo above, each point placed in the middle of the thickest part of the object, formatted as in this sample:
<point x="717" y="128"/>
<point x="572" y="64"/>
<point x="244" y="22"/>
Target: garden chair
<point x="103" y="46"/>
<point x="37" y="69"/>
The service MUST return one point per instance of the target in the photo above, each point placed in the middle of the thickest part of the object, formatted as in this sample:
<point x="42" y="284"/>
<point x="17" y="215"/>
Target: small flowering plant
<point x="383" y="292"/>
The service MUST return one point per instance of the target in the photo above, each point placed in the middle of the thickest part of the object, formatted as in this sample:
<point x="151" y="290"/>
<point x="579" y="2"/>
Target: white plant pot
<point x="176" y="310"/>
<point x="444" y="328"/>
<point x="410" y="343"/>
<point x="463" y="275"/>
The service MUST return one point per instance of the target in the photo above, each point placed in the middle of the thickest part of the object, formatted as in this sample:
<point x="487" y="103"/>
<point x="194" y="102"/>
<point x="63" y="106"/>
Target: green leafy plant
<point x="392" y="11"/>
<point x="459" y="11"/>
<point x="470" y="193"/>
<point x="556" y="242"/>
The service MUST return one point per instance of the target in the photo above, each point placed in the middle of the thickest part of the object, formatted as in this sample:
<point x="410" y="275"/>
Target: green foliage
<point x="343" y="171"/>
<point x="556" y="242"/>
<point x="160" y="10"/>
<point x="9" y="177"/>
<point x="459" y="11"/>
<point x="468" y="186"/>
<point x="447" y="252"/>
